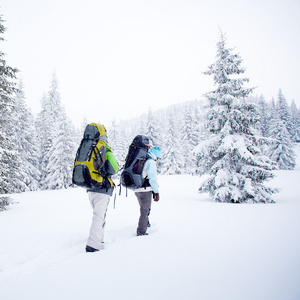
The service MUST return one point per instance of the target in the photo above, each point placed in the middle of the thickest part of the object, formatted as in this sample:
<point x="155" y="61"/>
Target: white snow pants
<point x="99" y="203"/>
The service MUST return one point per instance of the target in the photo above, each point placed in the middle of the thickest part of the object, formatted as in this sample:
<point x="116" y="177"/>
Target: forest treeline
<point x="37" y="151"/>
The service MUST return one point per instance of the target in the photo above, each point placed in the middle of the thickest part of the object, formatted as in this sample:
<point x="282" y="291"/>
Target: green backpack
<point x="90" y="158"/>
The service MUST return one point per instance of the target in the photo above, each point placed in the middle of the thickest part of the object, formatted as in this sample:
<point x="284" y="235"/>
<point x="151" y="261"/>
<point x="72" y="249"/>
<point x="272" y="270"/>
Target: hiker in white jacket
<point x="144" y="194"/>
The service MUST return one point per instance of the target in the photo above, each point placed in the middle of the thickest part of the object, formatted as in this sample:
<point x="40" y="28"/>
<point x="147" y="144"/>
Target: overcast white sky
<point x="116" y="58"/>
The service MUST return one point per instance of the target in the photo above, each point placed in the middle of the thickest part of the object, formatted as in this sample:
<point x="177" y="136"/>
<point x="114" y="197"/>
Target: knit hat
<point x="156" y="151"/>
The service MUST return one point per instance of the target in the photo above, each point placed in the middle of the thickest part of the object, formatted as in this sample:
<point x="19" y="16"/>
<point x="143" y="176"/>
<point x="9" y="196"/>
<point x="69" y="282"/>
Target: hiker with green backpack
<point x="93" y="168"/>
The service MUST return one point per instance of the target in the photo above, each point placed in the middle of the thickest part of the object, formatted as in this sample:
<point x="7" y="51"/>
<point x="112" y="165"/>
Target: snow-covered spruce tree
<point x="173" y="158"/>
<point x="231" y="155"/>
<point x="43" y="140"/>
<point x="153" y="131"/>
<point x="295" y="119"/>
<point x="272" y="107"/>
<point x="61" y="154"/>
<point x="52" y="129"/>
<point x="119" y="142"/>
<point x="142" y="126"/>
<point x="113" y="132"/>
<point x="283" y="110"/>
<point x="45" y="133"/>
<point x="264" y="116"/>
<point x="281" y="150"/>
<point x="26" y="142"/>
<point x="10" y="171"/>
<point x="190" y="138"/>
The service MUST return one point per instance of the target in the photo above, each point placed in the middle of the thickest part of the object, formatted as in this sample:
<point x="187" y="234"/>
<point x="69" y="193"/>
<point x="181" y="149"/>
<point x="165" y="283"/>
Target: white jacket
<point x="150" y="171"/>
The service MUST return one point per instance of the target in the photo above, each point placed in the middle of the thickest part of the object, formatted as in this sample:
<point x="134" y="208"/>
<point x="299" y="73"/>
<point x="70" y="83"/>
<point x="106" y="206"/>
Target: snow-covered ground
<point x="196" y="249"/>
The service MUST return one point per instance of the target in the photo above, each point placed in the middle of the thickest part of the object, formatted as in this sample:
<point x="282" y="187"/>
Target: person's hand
<point x="156" y="197"/>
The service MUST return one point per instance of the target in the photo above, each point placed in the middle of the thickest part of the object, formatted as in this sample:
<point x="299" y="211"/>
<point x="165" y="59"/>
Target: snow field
<point x="196" y="249"/>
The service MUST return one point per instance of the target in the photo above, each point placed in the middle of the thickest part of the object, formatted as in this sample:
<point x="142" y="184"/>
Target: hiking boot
<point x="90" y="249"/>
<point x="139" y="234"/>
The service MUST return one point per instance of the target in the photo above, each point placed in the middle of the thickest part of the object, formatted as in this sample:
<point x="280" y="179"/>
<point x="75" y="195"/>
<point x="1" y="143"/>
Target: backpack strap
<point x="146" y="179"/>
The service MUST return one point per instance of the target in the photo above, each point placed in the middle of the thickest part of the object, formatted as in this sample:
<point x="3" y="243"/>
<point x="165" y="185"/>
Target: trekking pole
<point x="115" y="200"/>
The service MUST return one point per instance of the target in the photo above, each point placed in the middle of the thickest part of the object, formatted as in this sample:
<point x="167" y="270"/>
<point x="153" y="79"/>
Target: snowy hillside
<point x="196" y="249"/>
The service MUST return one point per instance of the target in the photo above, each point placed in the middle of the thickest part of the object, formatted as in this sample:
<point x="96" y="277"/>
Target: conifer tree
<point x="26" y="142"/>
<point x="113" y="131"/>
<point x="295" y="120"/>
<point x="10" y="171"/>
<point x="190" y="138"/>
<point x="281" y="151"/>
<point x="153" y="130"/>
<point x="46" y="126"/>
<point x="43" y="140"/>
<point x="231" y="156"/>
<point x="264" y="116"/>
<point x="56" y="138"/>
<point x="122" y="146"/>
<point x="61" y="154"/>
<point x="283" y="111"/>
<point x="272" y="107"/>
<point x="173" y="159"/>
<point x="142" y="125"/>
<point x="119" y="142"/>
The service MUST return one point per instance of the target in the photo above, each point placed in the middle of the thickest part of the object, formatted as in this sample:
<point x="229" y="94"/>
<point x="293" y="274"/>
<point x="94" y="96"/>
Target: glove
<point x="156" y="197"/>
